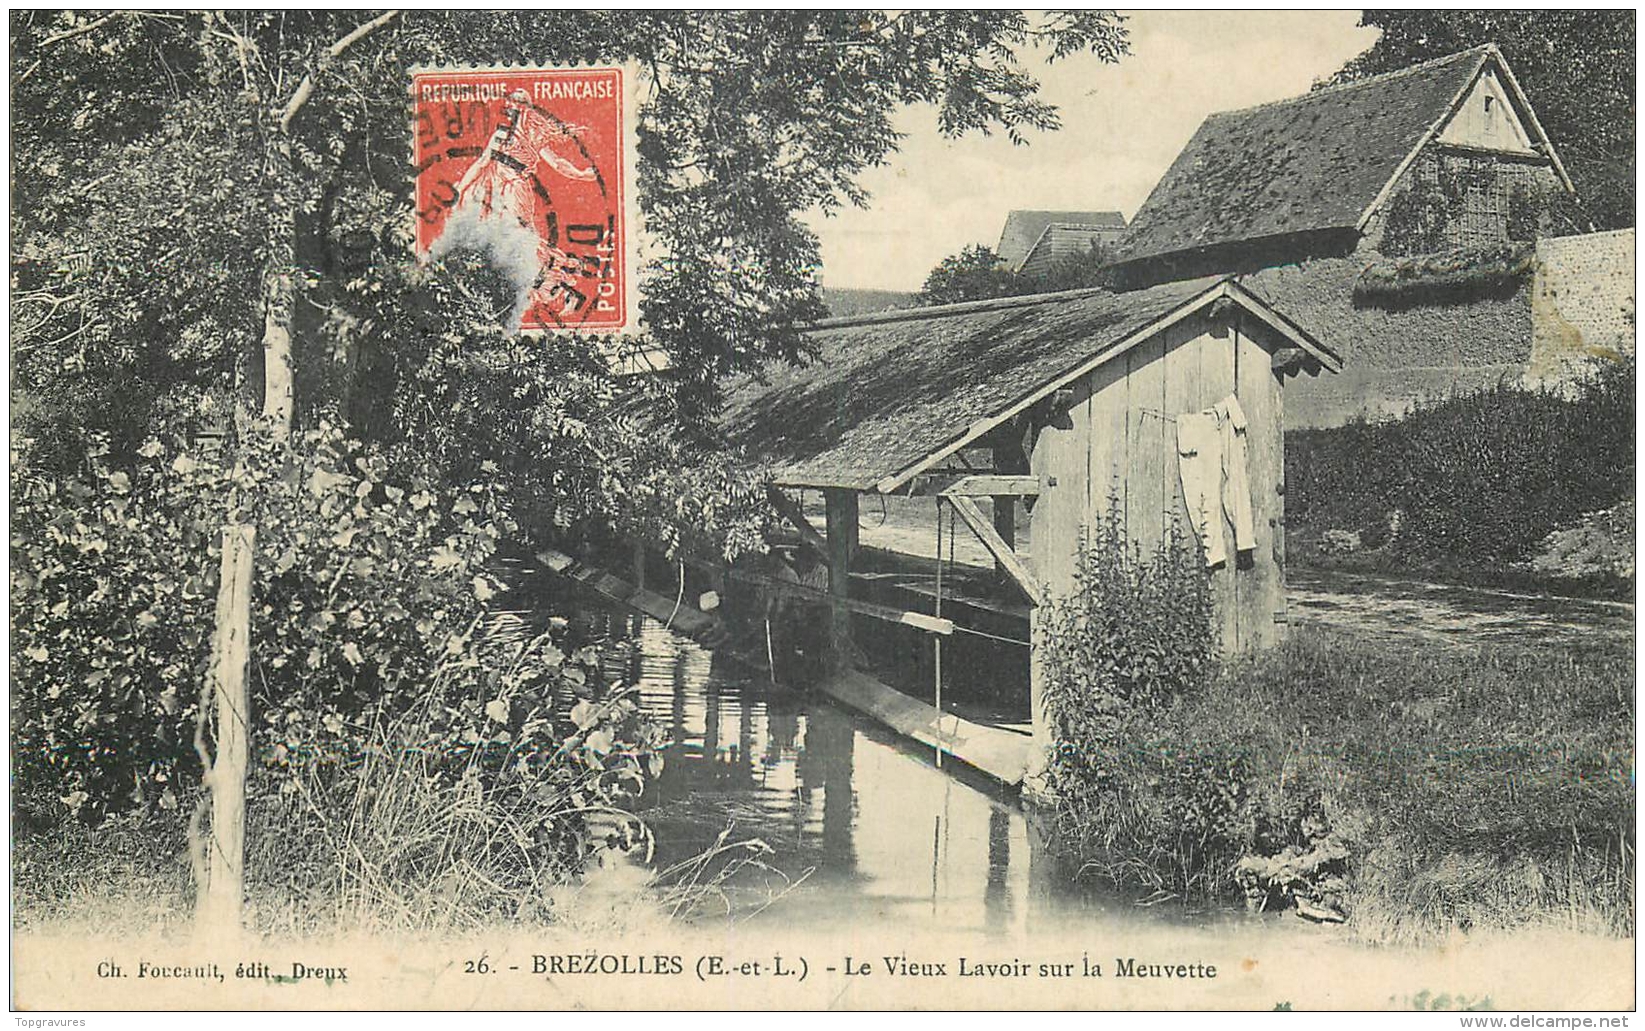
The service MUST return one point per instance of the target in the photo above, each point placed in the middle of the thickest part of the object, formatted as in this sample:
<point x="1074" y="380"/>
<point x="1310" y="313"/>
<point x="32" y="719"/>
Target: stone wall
<point x="1582" y="304"/>
<point x="1393" y="357"/>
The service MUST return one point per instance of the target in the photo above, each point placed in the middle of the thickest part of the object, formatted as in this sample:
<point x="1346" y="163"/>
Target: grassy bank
<point x="1413" y="791"/>
<point x="401" y="856"/>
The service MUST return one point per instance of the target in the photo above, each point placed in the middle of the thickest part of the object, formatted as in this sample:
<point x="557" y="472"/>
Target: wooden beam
<point x="790" y="510"/>
<point x="1008" y="559"/>
<point x="842" y="545"/>
<point x="995" y="486"/>
<point x="889" y="613"/>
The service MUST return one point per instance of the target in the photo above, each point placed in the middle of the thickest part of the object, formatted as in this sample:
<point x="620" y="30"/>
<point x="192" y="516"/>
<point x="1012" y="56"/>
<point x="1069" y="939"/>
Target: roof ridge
<point x="956" y="308"/>
<point x="1343" y="87"/>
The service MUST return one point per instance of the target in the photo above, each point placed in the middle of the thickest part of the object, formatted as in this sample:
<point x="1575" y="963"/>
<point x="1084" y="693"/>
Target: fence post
<point x="224" y="890"/>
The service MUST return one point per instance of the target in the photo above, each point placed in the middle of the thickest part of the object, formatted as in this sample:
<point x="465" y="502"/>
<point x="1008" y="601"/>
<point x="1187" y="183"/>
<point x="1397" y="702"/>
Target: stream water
<point x="863" y="827"/>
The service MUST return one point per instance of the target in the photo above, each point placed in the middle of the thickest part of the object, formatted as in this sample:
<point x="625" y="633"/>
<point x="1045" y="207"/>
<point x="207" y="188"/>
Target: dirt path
<point x="1450" y="614"/>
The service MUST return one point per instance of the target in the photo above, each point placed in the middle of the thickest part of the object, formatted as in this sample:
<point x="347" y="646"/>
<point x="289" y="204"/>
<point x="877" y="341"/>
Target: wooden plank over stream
<point x="685" y="618"/>
<point x="998" y="753"/>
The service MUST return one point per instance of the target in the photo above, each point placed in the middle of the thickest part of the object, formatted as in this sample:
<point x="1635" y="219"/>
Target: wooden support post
<point x="1036" y="782"/>
<point x="1008" y="459"/>
<point x="789" y="509"/>
<point x="842" y="547"/>
<point x="1005" y="525"/>
<point x="1013" y="564"/>
<point x="219" y="910"/>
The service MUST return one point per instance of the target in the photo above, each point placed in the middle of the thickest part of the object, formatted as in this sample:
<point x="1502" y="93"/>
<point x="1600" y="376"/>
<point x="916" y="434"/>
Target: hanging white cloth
<point x="1236" y="475"/>
<point x="1199" y="457"/>
<point x="1216" y="481"/>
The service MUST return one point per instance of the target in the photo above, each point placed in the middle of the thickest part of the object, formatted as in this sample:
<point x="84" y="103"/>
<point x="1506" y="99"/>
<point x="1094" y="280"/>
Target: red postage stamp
<point x="527" y="165"/>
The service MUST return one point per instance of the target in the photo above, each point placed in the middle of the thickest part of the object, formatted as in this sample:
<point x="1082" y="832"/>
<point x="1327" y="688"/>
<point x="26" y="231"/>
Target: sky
<point x="1121" y="127"/>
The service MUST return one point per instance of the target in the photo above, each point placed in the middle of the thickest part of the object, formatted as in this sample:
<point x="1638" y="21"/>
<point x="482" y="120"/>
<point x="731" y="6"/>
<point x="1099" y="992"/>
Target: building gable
<point x="1320" y="166"/>
<point x="1486" y="118"/>
<point x="1023" y="228"/>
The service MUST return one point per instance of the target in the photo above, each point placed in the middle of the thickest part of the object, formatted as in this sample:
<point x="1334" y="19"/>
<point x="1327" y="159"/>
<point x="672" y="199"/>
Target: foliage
<point x="1576" y="66"/>
<point x="1416" y="791"/>
<point x="107" y="102"/>
<point x="1478" y="479"/>
<point x="465" y="794"/>
<point x="976" y="273"/>
<point x="1431" y="214"/>
<point x="180" y="162"/>
<point x="1136" y="629"/>
<point x="579" y="452"/>
<point x="1087" y="268"/>
<point x="1446" y="276"/>
<point x="114" y="573"/>
<point x="165" y="184"/>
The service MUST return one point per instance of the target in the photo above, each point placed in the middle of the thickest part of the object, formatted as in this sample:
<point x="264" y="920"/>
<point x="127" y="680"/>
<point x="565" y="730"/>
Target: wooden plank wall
<point x="1121" y="443"/>
<point x="1217" y="360"/>
<point x="1061" y="456"/>
<point x="1153" y="443"/>
<point x="1260" y="597"/>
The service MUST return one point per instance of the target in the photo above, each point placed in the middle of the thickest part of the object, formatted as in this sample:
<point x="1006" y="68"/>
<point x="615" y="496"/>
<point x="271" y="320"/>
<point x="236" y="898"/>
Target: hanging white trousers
<point x="1199" y="456"/>
<point x="1216" y="479"/>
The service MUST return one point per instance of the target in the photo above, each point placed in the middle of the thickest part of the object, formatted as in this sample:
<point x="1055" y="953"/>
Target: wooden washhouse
<point x="1056" y="406"/>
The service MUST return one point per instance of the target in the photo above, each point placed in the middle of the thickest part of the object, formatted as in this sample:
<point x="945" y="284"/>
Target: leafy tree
<point x="1576" y="66"/>
<point x="974" y="274"/>
<point x="1074" y="272"/>
<point x="215" y="209"/>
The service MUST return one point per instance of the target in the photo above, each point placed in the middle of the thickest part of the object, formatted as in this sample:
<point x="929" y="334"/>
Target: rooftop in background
<point x="1320" y="161"/>
<point x="1023" y="229"/>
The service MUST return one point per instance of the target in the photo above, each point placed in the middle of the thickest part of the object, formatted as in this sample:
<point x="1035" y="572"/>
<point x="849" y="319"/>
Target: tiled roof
<point x="1023" y="228"/>
<point x="888" y="391"/>
<point x="1313" y="162"/>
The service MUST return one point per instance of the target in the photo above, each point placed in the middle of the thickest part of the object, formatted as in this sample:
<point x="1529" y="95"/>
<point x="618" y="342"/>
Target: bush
<point x="1135" y="629"/>
<point x="502" y="781"/>
<point x="368" y="586"/>
<point x="1131" y="641"/>
<point x="1481" y="479"/>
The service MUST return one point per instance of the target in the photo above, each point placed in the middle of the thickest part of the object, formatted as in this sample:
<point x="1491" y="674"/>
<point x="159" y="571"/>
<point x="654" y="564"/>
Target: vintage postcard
<point x="800" y="510"/>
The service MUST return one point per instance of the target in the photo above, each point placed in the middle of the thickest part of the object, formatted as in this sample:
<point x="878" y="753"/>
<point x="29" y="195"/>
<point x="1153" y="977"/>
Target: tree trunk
<point x="279" y="299"/>
<point x="218" y="909"/>
<point x="222" y="895"/>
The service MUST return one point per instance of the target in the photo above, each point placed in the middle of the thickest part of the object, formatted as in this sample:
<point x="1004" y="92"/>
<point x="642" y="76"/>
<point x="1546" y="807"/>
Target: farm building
<point x="1064" y="401"/>
<point x="1443" y="154"/>
<point x="1406" y="216"/>
<point x="1033" y="241"/>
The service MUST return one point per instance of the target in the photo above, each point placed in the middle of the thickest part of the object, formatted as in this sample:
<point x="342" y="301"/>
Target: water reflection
<point x="877" y="832"/>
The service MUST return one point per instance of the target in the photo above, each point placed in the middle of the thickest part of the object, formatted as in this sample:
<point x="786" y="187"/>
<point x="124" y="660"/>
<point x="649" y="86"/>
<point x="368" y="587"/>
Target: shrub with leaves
<point x="1478" y="479"/>
<point x="1161" y="769"/>
<point x="368" y="579"/>
<point x="461" y="796"/>
<point x="1136" y="629"/>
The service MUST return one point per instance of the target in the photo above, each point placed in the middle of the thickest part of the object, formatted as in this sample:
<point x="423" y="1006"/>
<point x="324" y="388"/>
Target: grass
<point x="393" y="848"/>
<point x="1419" y="790"/>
